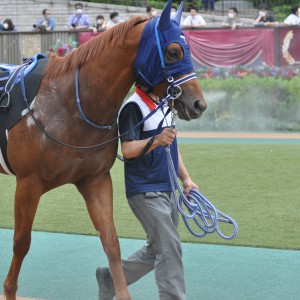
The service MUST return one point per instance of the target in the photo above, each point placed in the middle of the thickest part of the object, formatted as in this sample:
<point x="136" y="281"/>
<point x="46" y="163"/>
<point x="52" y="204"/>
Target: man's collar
<point x="148" y="101"/>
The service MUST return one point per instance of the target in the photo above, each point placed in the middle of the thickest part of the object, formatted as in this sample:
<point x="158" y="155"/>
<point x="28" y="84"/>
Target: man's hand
<point x="166" y="137"/>
<point x="187" y="185"/>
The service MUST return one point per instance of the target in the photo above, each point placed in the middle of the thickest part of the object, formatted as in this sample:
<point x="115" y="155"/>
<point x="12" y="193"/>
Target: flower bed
<point x="61" y="49"/>
<point x="240" y="72"/>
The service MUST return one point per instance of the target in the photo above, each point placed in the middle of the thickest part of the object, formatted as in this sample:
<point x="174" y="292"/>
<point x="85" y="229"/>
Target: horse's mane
<point x="92" y="48"/>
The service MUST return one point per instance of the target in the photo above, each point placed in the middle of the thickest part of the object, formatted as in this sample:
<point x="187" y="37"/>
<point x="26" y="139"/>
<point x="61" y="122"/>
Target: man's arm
<point x="134" y="148"/>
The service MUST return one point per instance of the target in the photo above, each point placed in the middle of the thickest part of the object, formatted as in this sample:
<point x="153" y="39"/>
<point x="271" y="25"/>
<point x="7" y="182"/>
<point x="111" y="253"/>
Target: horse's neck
<point x="109" y="79"/>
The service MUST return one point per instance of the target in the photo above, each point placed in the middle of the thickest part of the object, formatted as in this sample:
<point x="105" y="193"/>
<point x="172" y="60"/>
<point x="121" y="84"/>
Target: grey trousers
<point x="158" y="214"/>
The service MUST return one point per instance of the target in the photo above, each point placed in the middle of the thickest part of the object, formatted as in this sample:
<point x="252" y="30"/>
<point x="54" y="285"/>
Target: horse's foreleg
<point x="97" y="193"/>
<point x="26" y="201"/>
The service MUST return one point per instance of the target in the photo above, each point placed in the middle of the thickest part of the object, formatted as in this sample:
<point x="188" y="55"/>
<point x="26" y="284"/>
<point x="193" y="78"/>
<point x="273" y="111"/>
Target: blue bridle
<point x="173" y="90"/>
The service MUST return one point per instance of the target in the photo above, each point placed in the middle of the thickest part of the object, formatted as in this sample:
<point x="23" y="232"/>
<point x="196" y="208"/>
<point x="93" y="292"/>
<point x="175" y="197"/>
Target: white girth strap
<point x="2" y="161"/>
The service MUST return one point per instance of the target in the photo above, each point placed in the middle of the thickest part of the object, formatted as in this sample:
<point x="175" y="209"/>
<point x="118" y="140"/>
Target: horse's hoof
<point x="105" y="283"/>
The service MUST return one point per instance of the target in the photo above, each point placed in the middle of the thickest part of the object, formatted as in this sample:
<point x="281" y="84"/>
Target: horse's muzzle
<point x="190" y="110"/>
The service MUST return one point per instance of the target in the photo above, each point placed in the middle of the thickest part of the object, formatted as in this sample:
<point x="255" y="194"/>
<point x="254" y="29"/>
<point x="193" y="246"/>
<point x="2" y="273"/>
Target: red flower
<point x="60" y="51"/>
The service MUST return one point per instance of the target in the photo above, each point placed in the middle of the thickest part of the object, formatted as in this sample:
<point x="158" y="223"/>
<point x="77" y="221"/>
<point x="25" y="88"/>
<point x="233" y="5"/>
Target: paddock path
<point x="19" y="298"/>
<point x="62" y="267"/>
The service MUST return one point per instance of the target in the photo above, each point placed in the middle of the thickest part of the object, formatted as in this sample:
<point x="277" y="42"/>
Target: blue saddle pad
<point x="9" y="70"/>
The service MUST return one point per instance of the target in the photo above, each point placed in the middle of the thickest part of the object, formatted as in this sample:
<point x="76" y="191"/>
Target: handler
<point x="149" y="196"/>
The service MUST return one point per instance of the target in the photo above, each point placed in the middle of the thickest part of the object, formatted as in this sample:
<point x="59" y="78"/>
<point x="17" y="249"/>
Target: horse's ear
<point x="165" y="16"/>
<point x="178" y="15"/>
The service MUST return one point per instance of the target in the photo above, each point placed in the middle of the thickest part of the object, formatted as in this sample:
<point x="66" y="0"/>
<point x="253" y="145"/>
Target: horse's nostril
<point x="199" y="106"/>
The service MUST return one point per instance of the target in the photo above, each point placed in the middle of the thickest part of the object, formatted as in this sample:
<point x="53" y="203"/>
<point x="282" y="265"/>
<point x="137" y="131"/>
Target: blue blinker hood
<point x="164" y="30"/>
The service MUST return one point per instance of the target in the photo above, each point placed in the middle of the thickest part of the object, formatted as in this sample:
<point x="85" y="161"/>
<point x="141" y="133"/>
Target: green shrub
<point x="249" y="104"/>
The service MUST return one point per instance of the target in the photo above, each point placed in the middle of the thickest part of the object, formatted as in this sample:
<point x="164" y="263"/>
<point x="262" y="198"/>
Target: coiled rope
<point x="204" y="214"/>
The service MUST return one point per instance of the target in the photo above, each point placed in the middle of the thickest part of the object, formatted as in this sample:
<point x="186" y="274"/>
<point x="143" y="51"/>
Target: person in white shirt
<point x="114" y="19"/>
<point x="174" y="13"/>
<point x="294" y="18"/>
<point x="232" y="20"/>
<point x="194" y="20"/>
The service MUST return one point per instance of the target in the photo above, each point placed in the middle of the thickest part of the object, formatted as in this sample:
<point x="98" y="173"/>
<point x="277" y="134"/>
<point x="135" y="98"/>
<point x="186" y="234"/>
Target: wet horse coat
<point x="106" y="74"/>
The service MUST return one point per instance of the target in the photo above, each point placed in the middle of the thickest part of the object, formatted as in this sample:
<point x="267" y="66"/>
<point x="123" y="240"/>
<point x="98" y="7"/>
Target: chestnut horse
<point x="106" y="74"/>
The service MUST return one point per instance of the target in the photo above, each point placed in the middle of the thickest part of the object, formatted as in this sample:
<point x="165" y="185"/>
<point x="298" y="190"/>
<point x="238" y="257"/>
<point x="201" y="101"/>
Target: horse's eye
<point x="173" y="55"/>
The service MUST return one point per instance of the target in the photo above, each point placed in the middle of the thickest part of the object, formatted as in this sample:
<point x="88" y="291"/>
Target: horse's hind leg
<point x="26" y="201"/>
<point x="97" y="193"/>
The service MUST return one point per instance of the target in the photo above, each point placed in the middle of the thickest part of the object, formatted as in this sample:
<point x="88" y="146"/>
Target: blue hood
<point x="147" y="64"/>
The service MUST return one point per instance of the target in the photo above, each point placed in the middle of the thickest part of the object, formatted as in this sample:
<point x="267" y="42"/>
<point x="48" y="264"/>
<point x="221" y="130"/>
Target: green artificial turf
<point x="258" y="185"/>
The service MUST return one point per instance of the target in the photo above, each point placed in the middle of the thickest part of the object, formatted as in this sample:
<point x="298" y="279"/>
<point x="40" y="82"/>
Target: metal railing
<point x="16" y="46"/>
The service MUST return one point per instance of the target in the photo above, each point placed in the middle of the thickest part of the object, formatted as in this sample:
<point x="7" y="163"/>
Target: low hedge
<point x="249" y="103"/>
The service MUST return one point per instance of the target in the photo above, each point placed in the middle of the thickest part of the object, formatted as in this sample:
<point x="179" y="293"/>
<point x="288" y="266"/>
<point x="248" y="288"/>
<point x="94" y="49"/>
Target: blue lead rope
<point x="204" y="214"/>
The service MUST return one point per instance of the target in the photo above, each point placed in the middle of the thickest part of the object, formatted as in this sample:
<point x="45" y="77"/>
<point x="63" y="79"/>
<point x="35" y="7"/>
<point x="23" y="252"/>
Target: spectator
<point x="79" y="20"/>
<point x="211" y="5"/>
<point x="100" y="24"/>
<point x="1" y="27"/>
<point x="114" y="19"/>
<point x="174" y="12"/>
<point x="46" y="23"/>
<point x="232" y="21"/>
<point x="264" y="18"/>
<point x="294" y="17"/>
<point x="151" y="11"/>
<point x="8" y="25"/>
<point x="194" y="20"/>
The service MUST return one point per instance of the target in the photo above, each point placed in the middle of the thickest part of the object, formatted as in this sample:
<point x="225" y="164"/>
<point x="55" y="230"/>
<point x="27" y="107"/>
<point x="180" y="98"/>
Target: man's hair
<point x="294" y="9"/>
<point x="113" y="14"/>
<point x="99" y="17"/>
<point x="79" y="4"/>
<point x="263" y="7"/>
<point x="193" y="7"/>
<point x="234" y="9"/>
<point x="149" y="8"/>
<point x="45" y="10"/>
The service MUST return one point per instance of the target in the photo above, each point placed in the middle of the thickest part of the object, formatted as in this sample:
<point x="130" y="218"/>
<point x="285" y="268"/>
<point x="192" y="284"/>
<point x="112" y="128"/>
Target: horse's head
<point x="163" y="59"/>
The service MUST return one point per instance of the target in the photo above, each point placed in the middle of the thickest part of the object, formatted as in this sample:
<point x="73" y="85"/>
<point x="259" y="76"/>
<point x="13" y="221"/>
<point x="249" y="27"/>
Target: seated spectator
<point x="151" y="11"/>
<point x="194" y="20"/>
<point x="232" y="21"/>
<point x="100" y="24"/>
<point x="46" y="23"/>
<point x="264" y="18"/>
<point x="114" y="19"/>
<point x="174" y="12"/>
<point x="294" y="18"/>
<point x="8" y="25"/>
<point x="79" y="20"/>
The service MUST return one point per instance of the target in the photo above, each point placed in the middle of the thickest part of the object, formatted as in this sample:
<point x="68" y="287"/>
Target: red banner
<point x="222" y="48"/>
<point x="289" y="46"/>
<point x="243" y="47"/>
<point x="85" y="36"/>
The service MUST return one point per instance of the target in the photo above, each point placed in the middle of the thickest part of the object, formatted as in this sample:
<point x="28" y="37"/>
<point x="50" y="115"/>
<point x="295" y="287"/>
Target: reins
<point x="196" y="207"/>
